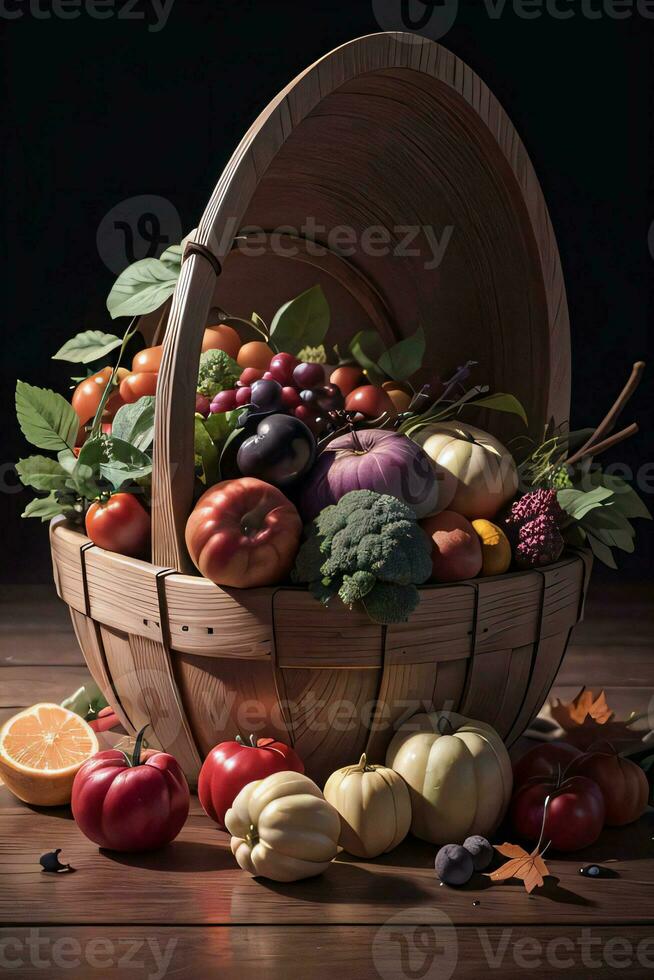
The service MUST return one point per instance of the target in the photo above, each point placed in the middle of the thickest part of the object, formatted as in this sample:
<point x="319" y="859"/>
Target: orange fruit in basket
<point x="221" y="337"/>
<point x="255" y="354"/>
<point x="41" y="750"/>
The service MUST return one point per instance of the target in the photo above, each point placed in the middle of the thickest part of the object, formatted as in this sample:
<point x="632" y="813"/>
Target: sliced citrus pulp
<point x="41" y="750"/>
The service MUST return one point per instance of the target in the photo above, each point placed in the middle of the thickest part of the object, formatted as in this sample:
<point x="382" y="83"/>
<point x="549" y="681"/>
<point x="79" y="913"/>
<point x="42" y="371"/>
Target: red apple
<point x="456" y="551"/>
<point x="243" y="533"/>
<point x="348" y="377"/>
<point x="545" y="761"/>
<point x="370" y="401"/>
<point x="575" y="814"/>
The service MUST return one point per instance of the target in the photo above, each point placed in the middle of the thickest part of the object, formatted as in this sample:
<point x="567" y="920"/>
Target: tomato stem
<point x="252" y="744"/>
<point x="136" y="755"/>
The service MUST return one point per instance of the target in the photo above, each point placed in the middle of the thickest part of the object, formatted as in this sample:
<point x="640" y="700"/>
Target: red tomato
<point x="147" y="361"/>
<point x="370" y="402"/>
<point x="623" y="784"/>
<point x="105" y="721"/>
<point x="232" y="765"/>
<point x="137" y="806"/>
<point x="136" y="386"/>
<point x="86" y="397"/>
<point x="347" y="378"/>
<point x="544" y="761"/>
<point x="575" y="815"/>
<point x="120" y="524"/>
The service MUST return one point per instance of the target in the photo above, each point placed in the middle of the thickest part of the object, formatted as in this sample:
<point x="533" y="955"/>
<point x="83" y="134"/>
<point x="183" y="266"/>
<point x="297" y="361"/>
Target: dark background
<point x="99" y="111"/>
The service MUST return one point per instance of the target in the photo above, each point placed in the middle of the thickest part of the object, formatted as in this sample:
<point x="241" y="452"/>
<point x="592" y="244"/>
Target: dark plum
<point x="202" y="404"/>
<point x="309" y="375"/>
<point x="329" y="398"/>
<point x="480" y="850"/>
<point x="266" y="396"/>
<point x="280" y="452"/>
<point x="454" y="865"/>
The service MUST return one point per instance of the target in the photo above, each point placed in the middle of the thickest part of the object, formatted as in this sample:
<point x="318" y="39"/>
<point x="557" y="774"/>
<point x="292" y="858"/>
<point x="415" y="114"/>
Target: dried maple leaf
<point x="583" y="707"/>
<point x="528" y="868"/>
<point x="588" y="720"/>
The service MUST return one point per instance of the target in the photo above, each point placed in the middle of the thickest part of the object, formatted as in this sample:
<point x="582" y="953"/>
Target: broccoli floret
<point x="218" y="372"/>
<point x="388" y="603"/>
<point x="369" y="548"/>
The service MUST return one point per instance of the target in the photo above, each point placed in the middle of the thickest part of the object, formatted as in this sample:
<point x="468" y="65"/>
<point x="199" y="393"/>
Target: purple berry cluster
<point x="535" y="524"/>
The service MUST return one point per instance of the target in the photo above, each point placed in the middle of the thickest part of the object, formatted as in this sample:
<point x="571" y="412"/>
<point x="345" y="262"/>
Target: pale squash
<point x="458" y="772"/>
<point x="374" y="806"/>
<point x="283" y="828"/>
<point x="476" y="472"/>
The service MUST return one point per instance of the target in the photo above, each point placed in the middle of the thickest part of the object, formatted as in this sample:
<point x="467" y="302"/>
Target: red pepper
<point x="132" y="804"/>
<point x="232" y="765"/>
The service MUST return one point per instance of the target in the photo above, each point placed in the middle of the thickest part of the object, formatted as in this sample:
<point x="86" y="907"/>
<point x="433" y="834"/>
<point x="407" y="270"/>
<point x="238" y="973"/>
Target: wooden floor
<point x="189" y="912"/>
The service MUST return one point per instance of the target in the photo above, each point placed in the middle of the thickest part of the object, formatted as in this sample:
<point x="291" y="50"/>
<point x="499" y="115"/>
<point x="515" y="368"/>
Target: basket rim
<point x="60" y="526"/>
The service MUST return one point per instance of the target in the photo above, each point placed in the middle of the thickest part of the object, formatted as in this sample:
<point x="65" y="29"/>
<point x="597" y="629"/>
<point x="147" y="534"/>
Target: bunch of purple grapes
<point x="289" y="387"/>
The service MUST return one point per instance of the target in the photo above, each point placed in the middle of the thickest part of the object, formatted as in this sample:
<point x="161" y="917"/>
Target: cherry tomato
<point x="575" y="814"/>
<point x="148" y="360"/>
<point x="136" y="386"/>
<point x="86" y="397"/>
<point x="370" y="402"/>
<point x="120" y="524"/>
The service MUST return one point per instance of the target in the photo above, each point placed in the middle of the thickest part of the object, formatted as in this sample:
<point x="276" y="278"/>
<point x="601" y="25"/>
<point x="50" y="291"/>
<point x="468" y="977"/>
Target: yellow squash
<point x="458" y="772"/>
<point x="283" y="828"/>
<point x="476" y="472"/>
<point x="374" y="805"/>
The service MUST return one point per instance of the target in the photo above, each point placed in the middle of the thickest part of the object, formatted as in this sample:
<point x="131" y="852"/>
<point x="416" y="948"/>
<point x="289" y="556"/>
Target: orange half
<point x="41" y="750"/>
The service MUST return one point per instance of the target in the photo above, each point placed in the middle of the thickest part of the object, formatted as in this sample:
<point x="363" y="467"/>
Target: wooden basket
<point x="393" y="132"/>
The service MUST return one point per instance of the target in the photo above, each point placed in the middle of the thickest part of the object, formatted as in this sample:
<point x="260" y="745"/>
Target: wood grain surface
<point x="190" y="912"/>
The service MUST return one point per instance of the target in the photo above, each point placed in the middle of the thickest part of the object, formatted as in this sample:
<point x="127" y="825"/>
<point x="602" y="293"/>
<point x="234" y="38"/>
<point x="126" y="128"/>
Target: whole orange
<point x="222" y="337"/>
<point x="255" y="354"/>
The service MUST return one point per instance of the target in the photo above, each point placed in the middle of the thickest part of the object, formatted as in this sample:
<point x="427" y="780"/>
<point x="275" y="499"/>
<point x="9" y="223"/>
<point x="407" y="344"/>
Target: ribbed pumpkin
<point x="458" y="772"/>
<point x="374" y="806"/>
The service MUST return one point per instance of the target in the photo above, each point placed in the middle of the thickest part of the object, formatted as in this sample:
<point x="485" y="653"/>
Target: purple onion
<point x="371" y="459"/>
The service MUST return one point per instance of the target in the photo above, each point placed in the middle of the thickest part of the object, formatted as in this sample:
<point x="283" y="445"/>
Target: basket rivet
<point x="184" y="629"/>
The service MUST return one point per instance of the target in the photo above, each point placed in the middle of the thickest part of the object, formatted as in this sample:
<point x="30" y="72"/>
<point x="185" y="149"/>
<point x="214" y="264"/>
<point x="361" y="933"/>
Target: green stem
<point x="111" y="386"/>
<point x="136" y="755"/>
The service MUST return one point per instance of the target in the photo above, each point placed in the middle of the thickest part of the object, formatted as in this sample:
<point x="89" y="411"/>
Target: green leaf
<point x="501" y="402"/>
<point x="84" y="481"/>
<point x="87" y="701"/>
<point x="67" y="460"/>
<point x="206" y="453"/>
<point x="601" y="551"/>
<point x="625" y="497"/>
<point x="578" y="503"/>
<point x="41" y="473"/>
<point x="172" y="258"/>
<point x="402" y="360"/>
<point x="46" y="419"/>
<point x="142" y="288"/>
<point x="134" y="423"/>
<point x="221" y="424"/>
<point x="90" y="345"/>
<point x="123" y="463"/>
<point x="611" y="527"/>
<point x="575" y="535"/>
<point x="302" y="322"/>
<point x="366" y="348"/>
<point x="44" y="507"/>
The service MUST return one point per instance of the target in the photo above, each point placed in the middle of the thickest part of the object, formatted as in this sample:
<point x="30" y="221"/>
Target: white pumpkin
<point x="476" y="472"/>
<point x="458" y="772"/>
<point x="283" y="828"/>
<point x="374" y="805"/>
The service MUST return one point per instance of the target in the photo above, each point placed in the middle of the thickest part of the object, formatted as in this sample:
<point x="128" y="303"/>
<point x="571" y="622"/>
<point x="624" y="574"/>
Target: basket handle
<point x="173" y="470"/>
